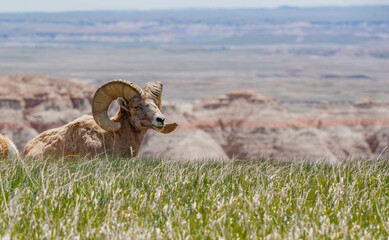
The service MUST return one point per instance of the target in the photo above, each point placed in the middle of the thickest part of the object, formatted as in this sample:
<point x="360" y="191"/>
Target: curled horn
<point x="154" y="90"/>
<point x="108" y="93"/>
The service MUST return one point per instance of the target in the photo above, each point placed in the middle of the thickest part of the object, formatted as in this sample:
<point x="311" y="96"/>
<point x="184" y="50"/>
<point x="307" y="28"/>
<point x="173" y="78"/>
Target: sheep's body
<point x="83" y="137"/>
<point x="8" y="148"/>
<point x="87" y="136"/>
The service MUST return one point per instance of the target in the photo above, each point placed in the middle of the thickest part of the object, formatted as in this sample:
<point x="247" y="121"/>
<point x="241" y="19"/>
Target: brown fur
<point x="4" y="145"/>
<point x="83" y="137"/>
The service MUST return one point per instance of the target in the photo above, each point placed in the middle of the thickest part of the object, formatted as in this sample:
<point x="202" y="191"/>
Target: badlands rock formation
<point x="188" y="141"/>
<point x="32" y="104"/>
<point x="240" y="124"/>
<point x="247" y="124"/>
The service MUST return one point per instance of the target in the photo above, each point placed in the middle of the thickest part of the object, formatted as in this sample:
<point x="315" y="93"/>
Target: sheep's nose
<point x="160" y="120"/>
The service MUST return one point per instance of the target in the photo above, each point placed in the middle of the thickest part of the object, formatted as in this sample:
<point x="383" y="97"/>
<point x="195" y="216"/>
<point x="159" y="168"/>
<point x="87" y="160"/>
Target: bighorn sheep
<point x="140" y="110"/>
<point x="7" y="148"/>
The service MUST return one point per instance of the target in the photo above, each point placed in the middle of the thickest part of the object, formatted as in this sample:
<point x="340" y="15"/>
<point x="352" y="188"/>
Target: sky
<point x="80" y="5"/>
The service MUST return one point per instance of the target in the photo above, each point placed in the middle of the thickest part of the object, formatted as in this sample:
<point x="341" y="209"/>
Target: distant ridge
<point x="213" y="26"/>
<point x="287" y="7"/>
<point x="197" y="9"/>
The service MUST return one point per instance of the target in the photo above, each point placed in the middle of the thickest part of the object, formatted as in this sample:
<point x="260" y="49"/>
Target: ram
<point x="7" y="148"/>
<point x="88" y="136"/>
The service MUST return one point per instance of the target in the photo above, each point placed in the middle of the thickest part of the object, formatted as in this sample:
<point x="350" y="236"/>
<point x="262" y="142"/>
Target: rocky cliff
<point x="241" y="124"/>
<point x="32" y="104"/>
<point x="246" y="124"/>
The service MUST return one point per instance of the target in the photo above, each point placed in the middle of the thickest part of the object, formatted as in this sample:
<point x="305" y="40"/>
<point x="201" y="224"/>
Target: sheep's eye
<point x="137" y="108"/>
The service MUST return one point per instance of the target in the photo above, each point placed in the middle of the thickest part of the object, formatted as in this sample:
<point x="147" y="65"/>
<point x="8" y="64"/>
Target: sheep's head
<point x="144" y="105"/>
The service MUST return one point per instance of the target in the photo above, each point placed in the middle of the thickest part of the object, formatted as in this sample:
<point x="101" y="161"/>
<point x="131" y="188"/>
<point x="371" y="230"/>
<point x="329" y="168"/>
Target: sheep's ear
<point x="155" y="90"/>
<point x="123" y="103"/>
<point x="169" y="127"/>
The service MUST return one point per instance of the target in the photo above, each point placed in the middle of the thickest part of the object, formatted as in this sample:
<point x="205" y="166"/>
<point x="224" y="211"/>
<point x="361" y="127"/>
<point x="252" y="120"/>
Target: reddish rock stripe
<point x="9" y="125"/>
<point x="296" y="124"/>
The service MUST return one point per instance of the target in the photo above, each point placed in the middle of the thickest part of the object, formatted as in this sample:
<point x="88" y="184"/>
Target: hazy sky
<point x="69" y="5"/>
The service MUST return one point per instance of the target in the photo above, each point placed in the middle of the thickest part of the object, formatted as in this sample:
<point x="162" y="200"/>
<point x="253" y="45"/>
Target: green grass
<point x="160" y="199"/>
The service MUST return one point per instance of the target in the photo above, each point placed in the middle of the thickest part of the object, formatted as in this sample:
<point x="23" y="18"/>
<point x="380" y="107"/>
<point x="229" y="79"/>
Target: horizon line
<point x="196" y="9"/>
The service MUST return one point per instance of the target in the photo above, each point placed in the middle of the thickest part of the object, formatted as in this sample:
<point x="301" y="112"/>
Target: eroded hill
<point x="242" y="124"/>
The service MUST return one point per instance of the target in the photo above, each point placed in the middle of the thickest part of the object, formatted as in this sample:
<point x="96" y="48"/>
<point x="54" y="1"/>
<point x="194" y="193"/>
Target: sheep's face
<point x="144" y="113"/>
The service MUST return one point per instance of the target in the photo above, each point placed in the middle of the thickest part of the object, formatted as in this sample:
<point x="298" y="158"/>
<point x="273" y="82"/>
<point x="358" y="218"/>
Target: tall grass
<point x="145" y="198"/>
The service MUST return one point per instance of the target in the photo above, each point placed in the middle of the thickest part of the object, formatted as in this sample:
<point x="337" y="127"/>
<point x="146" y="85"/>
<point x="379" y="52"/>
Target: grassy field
<point x="161" y="199"/>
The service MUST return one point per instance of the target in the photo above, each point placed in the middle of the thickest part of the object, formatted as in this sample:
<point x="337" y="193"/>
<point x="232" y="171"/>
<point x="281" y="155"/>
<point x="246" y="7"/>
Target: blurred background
<point x="244" y="79"/>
